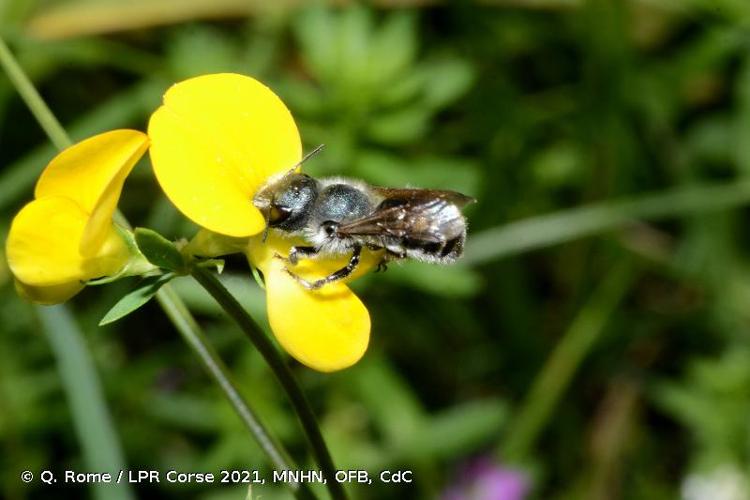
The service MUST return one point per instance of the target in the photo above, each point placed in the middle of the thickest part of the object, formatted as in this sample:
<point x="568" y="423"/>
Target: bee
<point x="340" y="216"/>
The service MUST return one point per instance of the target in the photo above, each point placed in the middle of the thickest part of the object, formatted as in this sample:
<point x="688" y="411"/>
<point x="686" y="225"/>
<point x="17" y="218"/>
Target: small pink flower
<point x="485" y="479"/>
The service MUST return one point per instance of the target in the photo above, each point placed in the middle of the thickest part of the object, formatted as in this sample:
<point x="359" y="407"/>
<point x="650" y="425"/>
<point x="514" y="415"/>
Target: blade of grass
<point x="16" y="179"/>
<point x="566" y="225"/>
<point x="91" y="418"/>
<point x="21" y="82"/>
<point x="280" y="369"/>
<point x="84" y="18"/>
<point x="171" y="303"/>
<point x="557" y="373"/>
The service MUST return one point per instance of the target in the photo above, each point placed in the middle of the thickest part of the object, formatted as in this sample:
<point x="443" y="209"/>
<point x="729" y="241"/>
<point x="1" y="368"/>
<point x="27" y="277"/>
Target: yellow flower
<point x="66" y="235"/>
<point x="328" y="329"/>
<point x="215" y="141"/>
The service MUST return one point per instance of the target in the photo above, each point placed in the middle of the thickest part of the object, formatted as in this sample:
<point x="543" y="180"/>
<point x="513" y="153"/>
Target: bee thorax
<point x="341" y="203"/>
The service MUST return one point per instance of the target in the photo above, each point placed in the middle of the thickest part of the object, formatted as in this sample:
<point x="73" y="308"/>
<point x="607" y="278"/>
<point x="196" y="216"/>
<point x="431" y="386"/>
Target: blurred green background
<point x="594" y="342"/>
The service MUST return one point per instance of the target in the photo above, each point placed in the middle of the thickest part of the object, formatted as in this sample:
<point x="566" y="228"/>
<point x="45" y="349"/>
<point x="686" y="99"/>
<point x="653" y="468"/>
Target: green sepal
<point x="217" y="264"/>
<point x="209" y="244"/>
<point x="145" y="290"/>
<point x="258" y="278"/>
<point x="138" y="265"/>
<point x="159" y="251"/>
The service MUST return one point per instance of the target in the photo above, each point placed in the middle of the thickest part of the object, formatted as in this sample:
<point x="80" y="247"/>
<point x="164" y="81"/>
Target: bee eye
<point x="290" y="205"/>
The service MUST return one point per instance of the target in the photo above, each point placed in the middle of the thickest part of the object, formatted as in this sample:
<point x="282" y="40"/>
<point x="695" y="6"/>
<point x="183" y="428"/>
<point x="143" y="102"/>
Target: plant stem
<point x="181" y="318"/>
<point x="170" y="302"/>
<point x="34" y="101"/>
<point x="280" y="369"/>
<point x="17" y="177"/>
<point x="559" y="369"/>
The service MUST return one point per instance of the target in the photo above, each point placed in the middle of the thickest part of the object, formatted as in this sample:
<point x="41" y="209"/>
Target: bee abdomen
<point x="432" y="251"/>
<point x="453" y="248"/>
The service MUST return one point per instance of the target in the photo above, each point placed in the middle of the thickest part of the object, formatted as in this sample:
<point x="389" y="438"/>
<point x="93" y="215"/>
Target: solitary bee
<point x="340" y="216"/>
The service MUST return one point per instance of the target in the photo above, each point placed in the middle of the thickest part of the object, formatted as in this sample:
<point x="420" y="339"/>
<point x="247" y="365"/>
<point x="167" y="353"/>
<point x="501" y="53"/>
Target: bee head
<point x="286" y="204"/>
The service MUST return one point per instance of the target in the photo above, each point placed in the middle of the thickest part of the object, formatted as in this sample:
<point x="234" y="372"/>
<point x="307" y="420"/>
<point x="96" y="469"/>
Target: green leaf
<point x="135" y="299"/>
<point x="354" y="35"/>
<point x="82" y="384"/>
<point x="402" y="91"/>
<point x="158" y="250"/>
<point x="200" y="50"/>
<point x="460" y="429"/>
<point x="316" y="32"/>
<point x="399" y="127"/>
<point x="393" y="48"/>
<point x="446" y="80"/>
<point x="302" y="96"/>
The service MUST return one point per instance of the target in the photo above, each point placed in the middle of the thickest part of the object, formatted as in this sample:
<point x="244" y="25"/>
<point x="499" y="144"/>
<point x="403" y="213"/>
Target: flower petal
<point x="215" y="141"/>
<point x="327" y="330"/>
<point x="48" y="295"/>
<point x="92" y="173"/>
<point x="42" y="246"/>
<point x="261" y="254"/>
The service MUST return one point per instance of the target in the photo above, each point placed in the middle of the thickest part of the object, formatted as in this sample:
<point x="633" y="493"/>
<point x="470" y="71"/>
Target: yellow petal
<point x="261" y="254"/>
<point x="92" y="173"/>
<point x="327" y="330"/>
<point x="214" y="142"/>
<point x="42" y="246"/>
<point x="48" y="295"/>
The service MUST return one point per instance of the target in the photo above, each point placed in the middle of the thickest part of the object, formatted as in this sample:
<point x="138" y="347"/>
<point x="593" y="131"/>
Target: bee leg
<point x="335" y="276"/>
<point x="307" y="252"/>
<point x="295" y="253"/>
<point x="388" y="257"/>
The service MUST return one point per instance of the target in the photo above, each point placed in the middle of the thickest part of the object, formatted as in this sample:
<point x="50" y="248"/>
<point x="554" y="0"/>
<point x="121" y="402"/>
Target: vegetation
<point x="595" y="339"/>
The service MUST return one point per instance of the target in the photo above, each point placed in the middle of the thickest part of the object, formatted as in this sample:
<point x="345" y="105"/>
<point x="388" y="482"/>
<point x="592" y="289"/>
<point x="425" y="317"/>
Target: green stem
<point x="280" y="369"/>
<point x="558" y="371"/>
<point x="129" y="105"/>
<point x="33" y="100"/>
<point x="566" y="225"/>
<point x="181" y="318"/>
<point x="170" y="302"/>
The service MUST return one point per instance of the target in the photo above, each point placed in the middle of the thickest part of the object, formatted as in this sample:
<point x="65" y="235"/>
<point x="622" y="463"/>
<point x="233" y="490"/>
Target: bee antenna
<point x="308" y="156"/>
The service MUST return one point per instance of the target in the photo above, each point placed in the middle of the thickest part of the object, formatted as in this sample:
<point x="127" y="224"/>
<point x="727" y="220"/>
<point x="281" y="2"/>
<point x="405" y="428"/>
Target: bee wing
<point x="420" y="215"/>
<point x="424" y="195"/>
